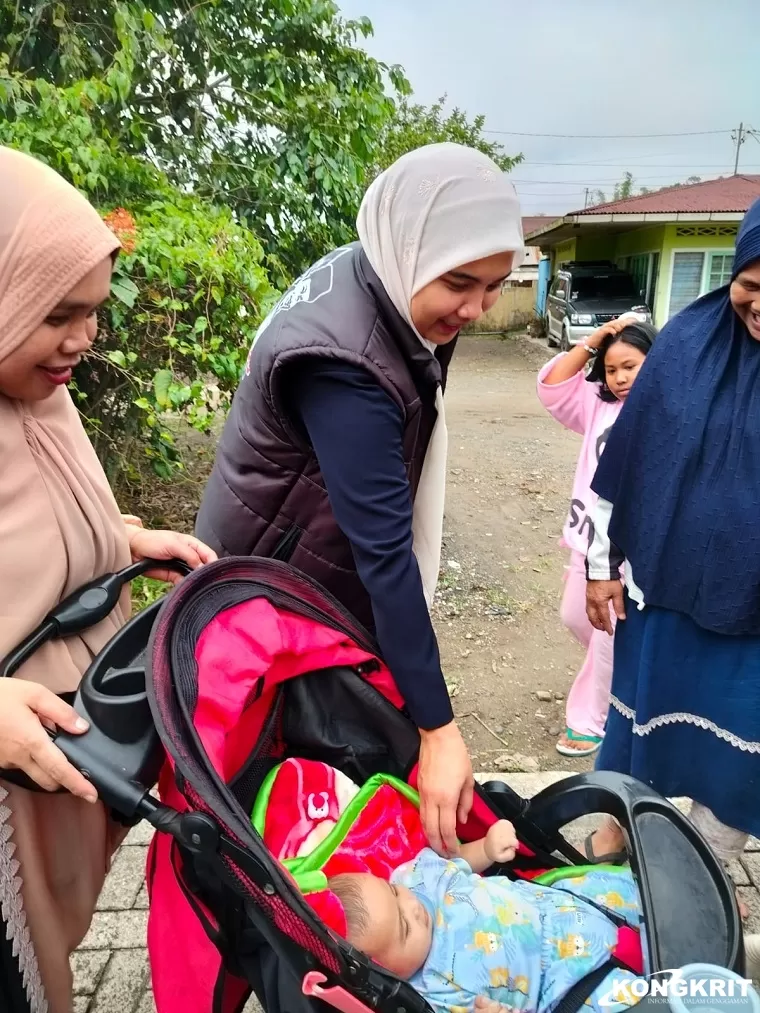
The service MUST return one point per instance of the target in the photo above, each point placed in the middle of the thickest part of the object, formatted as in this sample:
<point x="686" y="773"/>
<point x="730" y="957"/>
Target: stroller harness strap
<point x="585" y="988"/>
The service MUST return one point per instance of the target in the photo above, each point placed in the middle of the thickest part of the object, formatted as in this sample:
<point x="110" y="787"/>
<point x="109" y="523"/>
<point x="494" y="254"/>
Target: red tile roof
<point x="732" y="193"/>
<point x="534" y="222"/>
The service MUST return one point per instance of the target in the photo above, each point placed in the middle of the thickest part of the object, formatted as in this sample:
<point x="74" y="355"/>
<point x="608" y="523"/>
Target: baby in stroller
<point x="454" y="934"/>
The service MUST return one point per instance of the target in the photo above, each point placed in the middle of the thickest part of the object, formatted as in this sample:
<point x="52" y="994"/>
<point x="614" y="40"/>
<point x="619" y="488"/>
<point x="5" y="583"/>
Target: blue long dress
<point x="685" y="713"/>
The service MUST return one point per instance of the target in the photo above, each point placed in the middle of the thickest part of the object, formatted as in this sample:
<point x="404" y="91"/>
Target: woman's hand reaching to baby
<point x="445" y="783"/>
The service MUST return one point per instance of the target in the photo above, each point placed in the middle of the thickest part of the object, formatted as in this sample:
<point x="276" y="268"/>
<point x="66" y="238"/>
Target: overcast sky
<point x="576" y="67"/>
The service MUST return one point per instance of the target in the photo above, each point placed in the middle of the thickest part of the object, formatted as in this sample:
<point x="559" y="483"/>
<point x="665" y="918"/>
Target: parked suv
<point x="584" y="295"/>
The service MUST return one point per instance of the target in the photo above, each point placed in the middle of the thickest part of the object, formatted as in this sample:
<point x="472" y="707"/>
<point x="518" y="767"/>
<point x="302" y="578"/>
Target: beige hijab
<point x="59" y="523"/>
<point x="435" y="209"/>
<point x="59" y="528"/>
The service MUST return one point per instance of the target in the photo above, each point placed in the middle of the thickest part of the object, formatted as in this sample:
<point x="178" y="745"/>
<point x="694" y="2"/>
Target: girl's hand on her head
<point x="25" y="709"/>
<point x="594" y="340"/>
<point x="146" y="544"/>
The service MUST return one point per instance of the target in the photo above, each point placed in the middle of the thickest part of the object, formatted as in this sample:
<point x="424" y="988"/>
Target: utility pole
<point x="585" y="199"/>
<point x="739" y="136"/>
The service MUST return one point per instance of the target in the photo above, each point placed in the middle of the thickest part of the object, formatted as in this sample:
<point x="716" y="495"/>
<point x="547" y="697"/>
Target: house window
<point x="721" y="268"/>
<point x="695" y="274"/>
<point x="686" y="285"/>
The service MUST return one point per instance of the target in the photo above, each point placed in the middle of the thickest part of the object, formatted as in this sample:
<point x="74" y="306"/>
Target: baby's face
<point x="401" y="929"/>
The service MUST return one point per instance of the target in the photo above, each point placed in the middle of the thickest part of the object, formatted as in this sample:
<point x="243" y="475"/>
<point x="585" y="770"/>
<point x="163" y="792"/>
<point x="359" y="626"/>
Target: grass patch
<point x="498" y="597"/>
<point x="145" y="591"/>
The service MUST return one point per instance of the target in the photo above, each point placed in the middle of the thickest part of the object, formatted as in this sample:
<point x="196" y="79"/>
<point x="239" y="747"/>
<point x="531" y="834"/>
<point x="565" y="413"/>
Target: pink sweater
<point x="577" y="405"/>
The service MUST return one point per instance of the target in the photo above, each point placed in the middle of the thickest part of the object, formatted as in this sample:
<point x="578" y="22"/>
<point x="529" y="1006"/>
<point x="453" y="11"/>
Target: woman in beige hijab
<point x="59" y="527"/>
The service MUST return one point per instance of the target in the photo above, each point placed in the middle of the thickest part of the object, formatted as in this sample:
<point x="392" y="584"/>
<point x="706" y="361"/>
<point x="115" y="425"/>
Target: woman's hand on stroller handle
<point x="446" y="784"/>
<point x="27" y="709"/>
<point x="146" y="544"/>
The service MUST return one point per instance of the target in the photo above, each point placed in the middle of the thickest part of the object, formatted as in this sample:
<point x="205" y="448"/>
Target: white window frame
<point x="707" y="252"/>
<point x="707" y="271"/>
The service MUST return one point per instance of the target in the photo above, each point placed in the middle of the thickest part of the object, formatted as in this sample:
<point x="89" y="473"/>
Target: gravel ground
<point x="508" y="659"/>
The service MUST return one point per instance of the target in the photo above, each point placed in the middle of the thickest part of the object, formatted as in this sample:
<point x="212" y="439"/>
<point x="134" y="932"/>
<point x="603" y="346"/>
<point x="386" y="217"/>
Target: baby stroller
<point x="246" y="663"/>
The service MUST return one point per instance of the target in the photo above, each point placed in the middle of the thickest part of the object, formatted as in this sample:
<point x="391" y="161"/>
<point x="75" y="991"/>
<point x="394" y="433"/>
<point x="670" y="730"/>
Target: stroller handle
<point x="86" y="607"/>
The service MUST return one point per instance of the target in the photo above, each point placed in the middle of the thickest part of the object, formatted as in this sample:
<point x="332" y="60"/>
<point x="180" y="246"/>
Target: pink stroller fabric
<point x="243" y="653"/>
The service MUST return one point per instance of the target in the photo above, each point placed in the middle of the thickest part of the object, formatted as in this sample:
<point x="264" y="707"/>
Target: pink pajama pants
<point x="589" y="697"/>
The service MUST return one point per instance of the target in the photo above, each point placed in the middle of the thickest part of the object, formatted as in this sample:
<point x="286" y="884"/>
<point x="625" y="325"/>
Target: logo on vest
<point x="313" y="285"/>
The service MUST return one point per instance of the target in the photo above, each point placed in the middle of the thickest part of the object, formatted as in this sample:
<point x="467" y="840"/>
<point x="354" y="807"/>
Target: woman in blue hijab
<point x="679" y="488"/>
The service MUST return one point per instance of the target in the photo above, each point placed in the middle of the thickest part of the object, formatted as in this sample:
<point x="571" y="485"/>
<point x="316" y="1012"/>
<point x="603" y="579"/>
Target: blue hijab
<point x="682" y="463"/>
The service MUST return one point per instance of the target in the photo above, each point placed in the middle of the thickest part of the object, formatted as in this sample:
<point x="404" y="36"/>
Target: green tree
<point x="626" y="187"/>
<point x="268" y="106"/>
<point x="188" y="290"/>
<point x="413" y="125"/>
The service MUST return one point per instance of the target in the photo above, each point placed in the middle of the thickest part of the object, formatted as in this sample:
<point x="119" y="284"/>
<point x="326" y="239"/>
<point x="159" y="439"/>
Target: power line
<point x="591" y="182"/>
<point x="629" y="165"/>
<point x="600" y="137"/>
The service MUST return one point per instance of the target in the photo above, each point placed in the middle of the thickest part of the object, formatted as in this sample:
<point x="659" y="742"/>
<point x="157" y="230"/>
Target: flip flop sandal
<point x="588" y="743"/>
<point x="611" y="858"/>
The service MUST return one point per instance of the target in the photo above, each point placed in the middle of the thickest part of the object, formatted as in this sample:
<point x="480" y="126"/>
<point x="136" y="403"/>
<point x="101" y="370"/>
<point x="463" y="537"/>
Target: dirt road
<point x="510" y="475"/>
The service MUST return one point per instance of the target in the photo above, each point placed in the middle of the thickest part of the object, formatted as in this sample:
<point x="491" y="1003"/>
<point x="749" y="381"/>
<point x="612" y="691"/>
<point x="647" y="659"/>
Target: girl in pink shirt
<point x="588" y="403"/>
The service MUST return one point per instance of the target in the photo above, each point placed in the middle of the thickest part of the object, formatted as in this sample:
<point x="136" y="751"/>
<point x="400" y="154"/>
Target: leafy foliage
<point x="189" y="287"/>
<point x="414" y="125"/>
<point x="229" y="145"/>
<point x="627" y="188"/>
<point x="268" y="106"/>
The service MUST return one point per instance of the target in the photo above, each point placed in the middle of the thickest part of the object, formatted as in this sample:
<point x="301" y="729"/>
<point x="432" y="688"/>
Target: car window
<point x="609" y="286"/>
<point x="559" y="288"/>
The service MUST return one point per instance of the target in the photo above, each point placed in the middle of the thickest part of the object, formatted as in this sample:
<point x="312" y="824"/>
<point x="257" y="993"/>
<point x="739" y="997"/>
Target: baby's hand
<point x="501" y="843"/>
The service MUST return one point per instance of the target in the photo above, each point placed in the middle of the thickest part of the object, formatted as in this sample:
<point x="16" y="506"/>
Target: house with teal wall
<point x="678" y="243"/>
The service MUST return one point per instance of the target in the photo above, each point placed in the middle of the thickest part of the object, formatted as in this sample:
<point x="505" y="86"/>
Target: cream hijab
<point x="435" y="209"/>
<point x="59" y="523"/>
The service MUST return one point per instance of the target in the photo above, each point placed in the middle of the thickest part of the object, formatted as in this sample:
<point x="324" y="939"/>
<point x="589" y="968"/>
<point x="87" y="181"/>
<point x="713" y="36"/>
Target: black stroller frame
<point x="138" y="696"/>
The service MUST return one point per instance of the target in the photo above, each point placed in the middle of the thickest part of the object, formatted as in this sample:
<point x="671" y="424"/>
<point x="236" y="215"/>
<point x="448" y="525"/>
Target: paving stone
<point x="117" y="930"/>
<point x="738" y="872"/>
<point x="123" y="984"/>
<point x="146" y="1004"/>
<point x="141" y="903"/>
<point x="141" y="834"/>
<point x="751" y="862"/>
<point x="124" y="880"/>
<point x="81" y="1003"/>
<point x="88" y="967"/>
